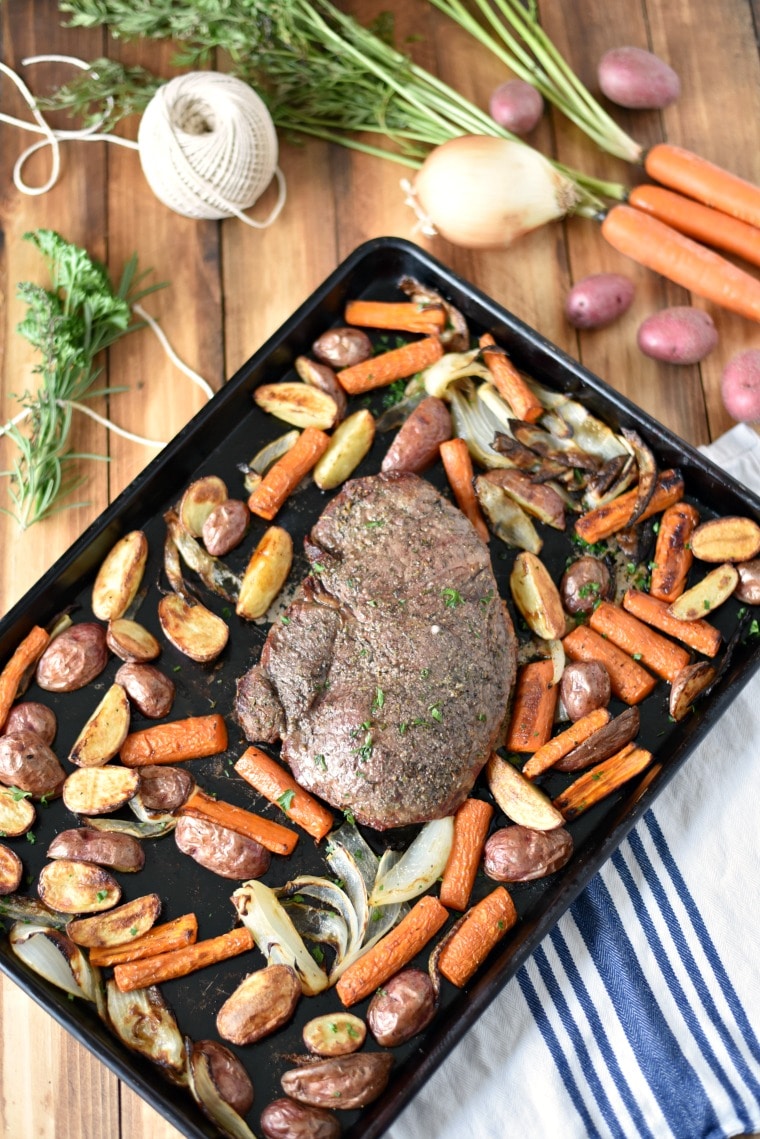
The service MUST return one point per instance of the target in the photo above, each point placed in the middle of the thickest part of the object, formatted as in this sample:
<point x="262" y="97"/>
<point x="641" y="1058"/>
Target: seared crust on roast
<point x="393" y="670"/>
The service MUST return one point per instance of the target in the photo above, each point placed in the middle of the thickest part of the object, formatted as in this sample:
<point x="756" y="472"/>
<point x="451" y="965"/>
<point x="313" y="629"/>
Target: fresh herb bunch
<point x="321" y="73"/>
<point x="69" y="324"/>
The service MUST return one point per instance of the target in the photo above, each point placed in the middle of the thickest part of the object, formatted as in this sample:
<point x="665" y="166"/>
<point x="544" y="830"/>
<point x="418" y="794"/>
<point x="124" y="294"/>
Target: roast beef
<point x="388" y="677"/>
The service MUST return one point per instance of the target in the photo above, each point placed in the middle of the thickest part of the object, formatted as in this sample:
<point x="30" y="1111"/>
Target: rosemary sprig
<point x="69" y="323"/>
<point x="319" y="70"/>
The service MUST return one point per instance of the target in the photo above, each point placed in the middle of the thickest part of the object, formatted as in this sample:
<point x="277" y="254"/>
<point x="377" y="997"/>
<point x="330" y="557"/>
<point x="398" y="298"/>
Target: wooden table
<point x="231" y="286"/>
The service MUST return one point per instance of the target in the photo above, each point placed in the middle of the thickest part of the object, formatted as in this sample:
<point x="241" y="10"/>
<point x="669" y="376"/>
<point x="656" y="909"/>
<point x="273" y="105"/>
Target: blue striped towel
<point x="638" y="1015"/>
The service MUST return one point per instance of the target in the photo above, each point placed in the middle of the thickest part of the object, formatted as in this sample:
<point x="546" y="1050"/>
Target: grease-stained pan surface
<point x="227" y="432"/>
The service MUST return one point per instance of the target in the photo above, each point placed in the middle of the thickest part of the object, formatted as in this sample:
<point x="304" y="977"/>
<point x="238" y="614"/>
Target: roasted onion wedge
<point x="144" y="1022"/>
<point x="54" y="956"/>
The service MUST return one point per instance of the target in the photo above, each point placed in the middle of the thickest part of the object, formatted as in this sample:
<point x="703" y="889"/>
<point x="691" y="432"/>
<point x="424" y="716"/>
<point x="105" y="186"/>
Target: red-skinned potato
<point x="342" y="347"/>
<point x="33" y="717"/>
<point x="119" y="852"/>
<point x="149" y="689"/>
<point x="73" y="658"/>
<point x="401" y="1008"/>
<point x="637" y="79"/>
<point x="220" y="850"/>
<point x="520" y="854"/>
<point x="516" y="105"/>
<point x="740" y="386"/>
<point x="228" y="1074"/>
<point x="678" y="335"/>
<point x="598" y="300"/>
<point x="29" y="764"/>
<point x="287" y="1119"/>
<point x="225" y="527"/>
<point x="415" y="448"/>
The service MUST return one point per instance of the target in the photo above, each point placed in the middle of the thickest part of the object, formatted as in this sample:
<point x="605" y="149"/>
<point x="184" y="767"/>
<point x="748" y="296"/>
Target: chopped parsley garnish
<point x="320" y="762"/>
<point x="317" y="953"/>
<point x="452" y="597"/>
<point x="285" y="800"/>
<point x="435" y="713"/>
<point x="17" y="794"/>
<point x="374" y="523"/>
<point x="102" y="895"/>
<point x="379" y="700"/>
<point x="395" y="393"/>
<point x="285" y="620"/>
<point x="349" y="817"/>
<point x="31" y="837"/>
<point x="317" y="567"/>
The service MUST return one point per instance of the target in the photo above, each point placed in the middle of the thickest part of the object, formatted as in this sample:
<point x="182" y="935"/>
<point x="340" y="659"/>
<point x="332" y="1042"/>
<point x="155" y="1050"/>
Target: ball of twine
<point x="208" y="147"/>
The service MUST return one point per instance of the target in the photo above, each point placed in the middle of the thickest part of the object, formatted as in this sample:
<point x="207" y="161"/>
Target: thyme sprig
<point x="69" y="323"/>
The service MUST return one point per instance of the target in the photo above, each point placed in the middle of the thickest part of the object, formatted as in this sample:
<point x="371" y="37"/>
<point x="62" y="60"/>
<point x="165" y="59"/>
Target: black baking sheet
<point x="228" y="431"/>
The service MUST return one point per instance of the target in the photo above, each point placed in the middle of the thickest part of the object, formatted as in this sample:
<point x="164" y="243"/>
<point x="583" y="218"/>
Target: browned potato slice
<point x="265" y="573"/>
<point x="29" y="764"/>
<point x="322" y="376"/>
<point x="11" y="870"/>
<point x="120" y="852"/>
<point x="225" y="527"/>
<point x="335" y="1034"/>
<point x="130" y="641"/>
<point x="33" y="717"/>
<point x="727" y="539"/>
<point x="163" y="788"/>
<point x="192" y="629"/>
<point x="298" y="404"/>
<point x="541" y="501"/>
<point x="519" y="799"/>
<point x="537" y="597"/>
<point x="287" y="1119"/>
<point x="100" y="790"/>
<point x="706" y="595"/>
<point x="687" y="686"/>
<point x="73" y="658"/>
<point x="353" y="1081"/>
<point x="119" y="576"/>
<point x="104" y="732"/>
<point x="200" y="498"/>
<point x="117" y="926"/>
<point x="149" y="689"/>
<point x="348" y="445"/>
<point x="263" y="1002"/>
<point x="77" y="887"/>
<point x="16" y="812"/>
<point x="342" y="347"/>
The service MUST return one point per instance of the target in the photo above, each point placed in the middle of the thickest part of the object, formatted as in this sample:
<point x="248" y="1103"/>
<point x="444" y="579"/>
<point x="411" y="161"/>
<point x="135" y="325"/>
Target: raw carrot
<point x="458" y="467"/>
<point x="481" y="928"/>
<point x="284" y="476"/>
<point x="379" y="371"/>
<point x="598" y="524"/>
<point x="509" y="383"/>
<point x="26" y="654"/>
<point x="672" y="554"/>
<point x="600" y="781"/>
<point x="193" y="738"/>
<point x="699" y="635"/>
<point x="660" y="247"/>
<point x="533" y="709"/>
<point x="161" y="939"/>
<point x="401" y="316"/>
<point x="560" y="746"/>
<point x="393" y="951"/>
<point x="277" y="785"/>
<point x="470" y="832"/>
<point x="628" y="680"/>
<point x="278" y="839"/>
<point x="703" y="223"/>
<point x="166" y="966"/>
<point x="662" y="656"/>
<point x="690" y="174"/>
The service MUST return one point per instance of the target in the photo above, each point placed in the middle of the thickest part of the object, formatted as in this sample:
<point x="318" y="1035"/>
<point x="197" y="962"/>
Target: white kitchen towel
<point x="639" y="1014"/>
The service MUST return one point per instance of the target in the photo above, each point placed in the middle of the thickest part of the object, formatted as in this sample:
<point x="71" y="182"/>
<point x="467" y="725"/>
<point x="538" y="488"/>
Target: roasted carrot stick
<point x="166" y="966"/>
<point x="193" y="738"/>
<point x="379" y="371"/>
<point x="458" y="467"/>
<point x="402" y="316"/>
<point x="703" y="223"/>
<point x="29" y="651"/>
<point x="161" y="939"/>
<point x="561" y="745"/>
<point x="699" y="635"/>
<point x="393" y="951"/>
<point x="600" y="523"/>
<point x="470" y="832"/>
<point x="509" y="383"/>
<point x="278" y="839"/>
<point x="277" y="785"/>
<point x="481" y="928"/>
<point x="662" y="656"/>
<point x="672" y="554"/>
<point x="533" y="708"/>
<point x="628" y="680"/>
<point x="600" y="781"/>
<point x="284" y="476"/>
<point x="652" y="243"/>
<point x="681" y="170"/>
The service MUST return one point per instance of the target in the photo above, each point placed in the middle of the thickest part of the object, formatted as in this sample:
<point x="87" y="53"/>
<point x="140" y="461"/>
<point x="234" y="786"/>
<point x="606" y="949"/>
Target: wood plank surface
<point x="231" y="286"/>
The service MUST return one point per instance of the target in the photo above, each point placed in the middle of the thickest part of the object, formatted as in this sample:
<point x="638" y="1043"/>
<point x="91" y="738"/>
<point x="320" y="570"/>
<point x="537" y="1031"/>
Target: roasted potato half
<point x="11" y="870"/>
<point x="192" y="629"/>
<point x="104" y="732"/>
<point x="334" y="1034"/>
<point x="228" y="1074"/>
<point x="263" y="1002"/>
<point x="17" y="813"/>
<point x="77" y="887"/>
<point x="287" y="1119"/>
<point x="28" y="764"/>
<point x="265" y="573"/>
<point x="298" y="404"/>
<point x="119" y="852"/>
<point x="322" y="376"/>
<point x="404" y="1006"/>
<point x="220" y="850"/>
<point x="149" y="689"/>
<point x="117" y="926"/>
<point x="519" y="799"/>
<point x="707" y="595"/>
<point x="730" y="539"/>
<point x="353" y="1081"/>
<point x="130" y="641"/>
<point x="200" y="498"/>
<point x="33" y="717"/>
<point x="100" y="790"/>
<point x="73" y="658"/>
<point x="687" y="686"/>
<point x="537" y="597"/>
<point x="119" y="577"/>
<point x="349" y="443"/>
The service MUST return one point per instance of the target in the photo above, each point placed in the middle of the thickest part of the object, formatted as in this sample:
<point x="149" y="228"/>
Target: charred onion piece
<point x="647" y="466"/>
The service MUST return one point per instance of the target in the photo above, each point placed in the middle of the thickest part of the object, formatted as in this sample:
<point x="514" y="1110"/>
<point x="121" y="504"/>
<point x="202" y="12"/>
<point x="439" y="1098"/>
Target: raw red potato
<point x="598" y="300"/>
<point x="740" y="386"/>
<point x="634" y="78"/>
<point x="517" y="106"/>
<point x="678" y="335"/>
